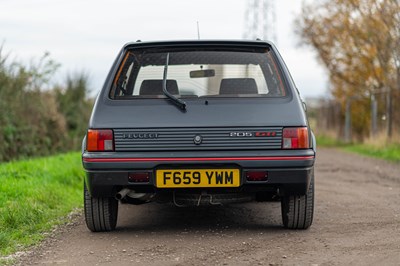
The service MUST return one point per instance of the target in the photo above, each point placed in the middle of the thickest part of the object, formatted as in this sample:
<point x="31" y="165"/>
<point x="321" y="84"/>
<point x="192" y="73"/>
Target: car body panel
<point x="224" y="113"/>
<point x="289" y="170"/>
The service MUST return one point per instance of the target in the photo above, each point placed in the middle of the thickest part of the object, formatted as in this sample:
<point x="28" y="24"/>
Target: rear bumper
<point x="288" y="171"/>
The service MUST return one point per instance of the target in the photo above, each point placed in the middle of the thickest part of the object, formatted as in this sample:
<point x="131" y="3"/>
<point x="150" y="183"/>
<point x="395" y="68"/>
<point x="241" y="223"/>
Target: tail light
<point x="295" y="138"/>
<point x="100" y="140"/>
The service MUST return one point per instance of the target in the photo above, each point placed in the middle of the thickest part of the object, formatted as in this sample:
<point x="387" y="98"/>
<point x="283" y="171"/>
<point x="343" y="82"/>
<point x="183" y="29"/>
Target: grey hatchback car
<point x="196" y="123"/>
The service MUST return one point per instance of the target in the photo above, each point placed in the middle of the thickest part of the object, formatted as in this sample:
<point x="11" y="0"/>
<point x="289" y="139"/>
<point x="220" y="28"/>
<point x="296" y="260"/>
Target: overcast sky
<point x="88" y="34"/>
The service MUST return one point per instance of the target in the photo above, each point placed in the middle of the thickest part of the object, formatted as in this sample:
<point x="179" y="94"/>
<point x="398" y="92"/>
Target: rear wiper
<point x="178" y="102"/>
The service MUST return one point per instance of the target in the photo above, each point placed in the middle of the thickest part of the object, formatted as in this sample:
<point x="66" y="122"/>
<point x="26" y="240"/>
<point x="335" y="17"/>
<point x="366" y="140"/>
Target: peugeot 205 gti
<point x="197" y="123"/>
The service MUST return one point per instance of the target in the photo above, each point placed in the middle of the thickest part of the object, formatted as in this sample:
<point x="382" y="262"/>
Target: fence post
<point x="347" y="124"/>
<point x="389" y="115"/>
<point x="374" y="115"/>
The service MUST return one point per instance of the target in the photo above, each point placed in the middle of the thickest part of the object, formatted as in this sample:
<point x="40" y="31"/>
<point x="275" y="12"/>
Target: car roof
<point x="166" y="43"/>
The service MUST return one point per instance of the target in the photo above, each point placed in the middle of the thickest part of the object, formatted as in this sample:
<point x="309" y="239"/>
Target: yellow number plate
<point x="173" y="178"/>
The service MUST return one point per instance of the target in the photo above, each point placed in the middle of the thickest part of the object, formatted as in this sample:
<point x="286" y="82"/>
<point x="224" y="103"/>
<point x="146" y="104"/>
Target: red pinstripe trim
<point x="203" y="159"/>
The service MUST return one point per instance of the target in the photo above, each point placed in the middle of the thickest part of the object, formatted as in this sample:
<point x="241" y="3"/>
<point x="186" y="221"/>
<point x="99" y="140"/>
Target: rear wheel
<point x="100" y="213"/>
<point x="298" y="211"/>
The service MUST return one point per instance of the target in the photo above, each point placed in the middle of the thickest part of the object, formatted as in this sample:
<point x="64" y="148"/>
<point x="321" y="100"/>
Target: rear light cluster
<point x="295" y="138"/>
<point x="100" y="140"/>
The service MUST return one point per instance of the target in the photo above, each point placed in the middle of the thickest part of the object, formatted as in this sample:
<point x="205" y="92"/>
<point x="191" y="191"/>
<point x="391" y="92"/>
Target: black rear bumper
<point x="288" y="171"/>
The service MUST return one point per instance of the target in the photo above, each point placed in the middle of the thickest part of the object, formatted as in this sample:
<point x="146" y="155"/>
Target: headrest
<point x="154" y="87"/>
<point x="238" y="86"/>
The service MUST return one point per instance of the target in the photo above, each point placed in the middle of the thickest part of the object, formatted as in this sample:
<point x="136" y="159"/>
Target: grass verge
<point x="390" y="152"/>
<point x="34" y="196"/>
<point x="326" y="141"/>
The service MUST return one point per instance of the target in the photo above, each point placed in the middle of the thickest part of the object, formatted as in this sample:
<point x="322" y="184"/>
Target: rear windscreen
<point x="198" y="73"/>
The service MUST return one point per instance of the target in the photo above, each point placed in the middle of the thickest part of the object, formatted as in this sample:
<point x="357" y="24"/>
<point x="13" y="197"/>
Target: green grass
<point x="390" y="152"/>
<point x="35" y="195"/>
<point x="325" y="141"/>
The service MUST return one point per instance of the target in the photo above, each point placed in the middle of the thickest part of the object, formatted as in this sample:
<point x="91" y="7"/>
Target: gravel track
<point x="356" y="222"/>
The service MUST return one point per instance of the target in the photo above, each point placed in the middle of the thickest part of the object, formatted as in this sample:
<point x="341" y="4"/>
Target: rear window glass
<point x="198" y="73"/>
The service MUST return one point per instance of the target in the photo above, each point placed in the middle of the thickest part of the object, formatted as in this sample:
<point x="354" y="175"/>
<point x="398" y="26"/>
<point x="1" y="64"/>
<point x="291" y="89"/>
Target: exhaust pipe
<point x="132" y="194"/>
<point x="127" y="194"/>
<point x="122" y="194"/>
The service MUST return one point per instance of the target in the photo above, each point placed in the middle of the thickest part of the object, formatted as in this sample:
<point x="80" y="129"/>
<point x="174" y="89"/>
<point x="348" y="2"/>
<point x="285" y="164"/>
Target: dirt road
<point x="357" y="222"/>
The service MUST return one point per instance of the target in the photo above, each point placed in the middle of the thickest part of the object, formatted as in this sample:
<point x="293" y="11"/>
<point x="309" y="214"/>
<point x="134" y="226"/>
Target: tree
<point x="30" y="124"/>
<point x="358" y="41"/>
<point x="37" y="119"/>
<point x="76" y="106"/>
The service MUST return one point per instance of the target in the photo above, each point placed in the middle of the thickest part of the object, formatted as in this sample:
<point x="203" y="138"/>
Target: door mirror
<point x="304" y="106"/>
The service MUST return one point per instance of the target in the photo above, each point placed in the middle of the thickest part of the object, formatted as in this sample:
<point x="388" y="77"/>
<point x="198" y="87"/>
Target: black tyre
<point x="298" y="211"/>
<point x="100" y="213"/>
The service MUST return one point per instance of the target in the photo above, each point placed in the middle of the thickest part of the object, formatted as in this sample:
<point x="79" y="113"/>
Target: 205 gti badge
<point x="241" y="134"/>
<point x="253" y="134"/>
